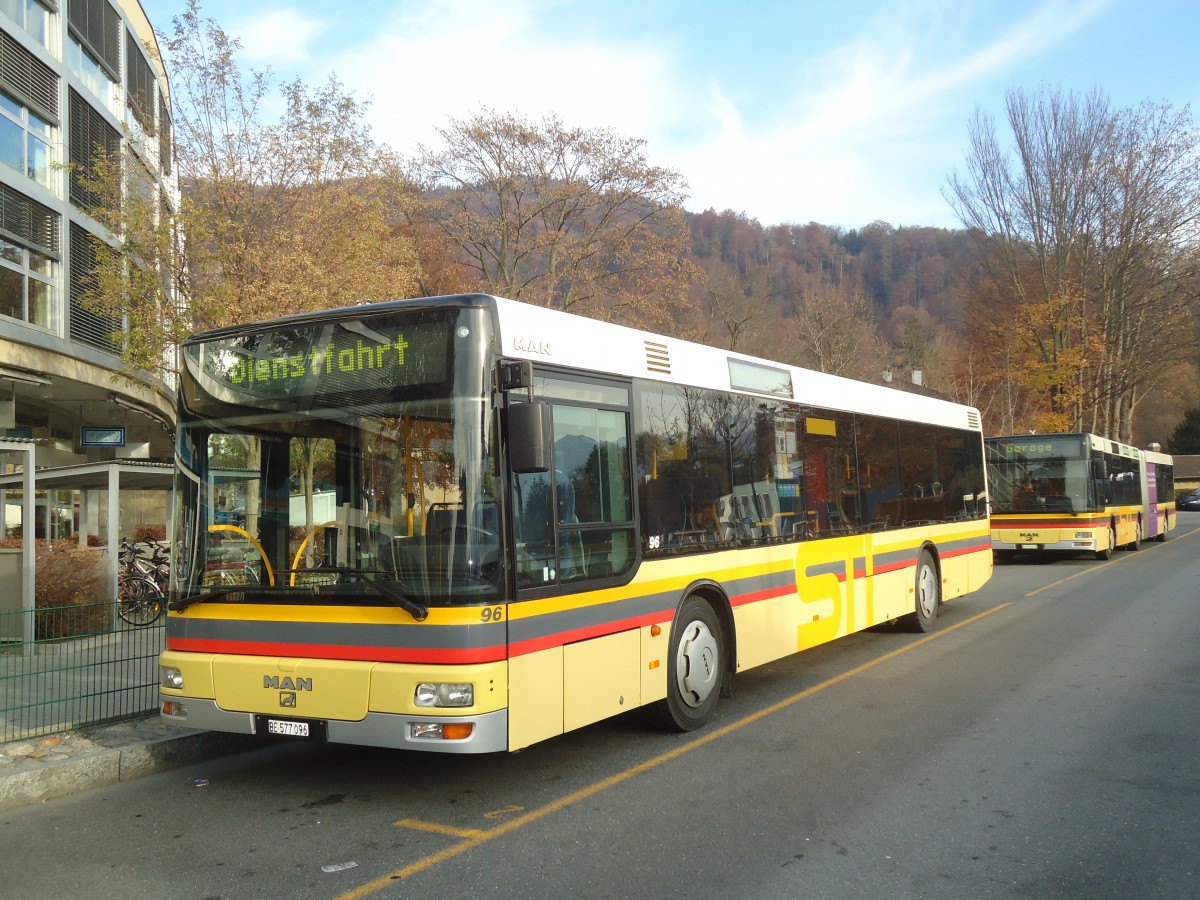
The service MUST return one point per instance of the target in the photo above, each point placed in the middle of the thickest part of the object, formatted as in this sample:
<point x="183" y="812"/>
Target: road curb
<point x="110" y="765"/>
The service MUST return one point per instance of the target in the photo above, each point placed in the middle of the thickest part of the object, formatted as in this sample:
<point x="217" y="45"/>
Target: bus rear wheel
<point x="695" y="668"/>
<point x="1136" y="544"/>
<point x="928" y="590"/>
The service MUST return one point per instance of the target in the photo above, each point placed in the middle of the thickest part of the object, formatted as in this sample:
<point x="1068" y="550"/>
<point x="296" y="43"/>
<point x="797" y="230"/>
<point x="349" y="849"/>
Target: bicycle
<point x="142" y="585"/>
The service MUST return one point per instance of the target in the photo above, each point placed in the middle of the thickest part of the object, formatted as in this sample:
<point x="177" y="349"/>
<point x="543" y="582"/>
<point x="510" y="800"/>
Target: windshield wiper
<point x="178" y="605"/>
<point x="410" y="606"/>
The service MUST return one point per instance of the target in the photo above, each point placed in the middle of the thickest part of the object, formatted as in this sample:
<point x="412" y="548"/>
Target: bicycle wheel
<point x="139" y="600"/>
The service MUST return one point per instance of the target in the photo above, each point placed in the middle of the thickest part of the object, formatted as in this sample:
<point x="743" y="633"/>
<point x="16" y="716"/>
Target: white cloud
<point x="275" y="37"/>
<point x="447" y="60"/>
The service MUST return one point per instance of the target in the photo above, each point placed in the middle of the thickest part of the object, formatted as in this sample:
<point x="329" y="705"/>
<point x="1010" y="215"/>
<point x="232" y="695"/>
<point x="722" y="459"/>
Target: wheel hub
<point x="696" y="664"/>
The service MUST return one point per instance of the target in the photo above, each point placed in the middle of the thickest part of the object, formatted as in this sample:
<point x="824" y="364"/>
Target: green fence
<point x="83" y="666"/>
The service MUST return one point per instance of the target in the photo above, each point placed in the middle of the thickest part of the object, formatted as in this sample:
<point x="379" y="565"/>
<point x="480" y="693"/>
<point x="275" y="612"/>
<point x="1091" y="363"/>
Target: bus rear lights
<point x="170" y="677"/>
<point x="434" y="694"/>
<point x="442" y="731"/>
<point x="174" y="708"/>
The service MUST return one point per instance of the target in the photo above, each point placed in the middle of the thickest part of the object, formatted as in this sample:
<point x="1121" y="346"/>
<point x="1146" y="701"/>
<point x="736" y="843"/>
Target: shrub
<point x="145" y="534"/>
<point x="69" y="594"/>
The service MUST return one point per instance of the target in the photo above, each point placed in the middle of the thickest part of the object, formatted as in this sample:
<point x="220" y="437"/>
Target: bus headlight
<point x="444" y="694"/>
<point x="170" y="677"/>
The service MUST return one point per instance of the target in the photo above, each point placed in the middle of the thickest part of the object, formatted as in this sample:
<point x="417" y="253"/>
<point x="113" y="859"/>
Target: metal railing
<point x="84" y="666"/>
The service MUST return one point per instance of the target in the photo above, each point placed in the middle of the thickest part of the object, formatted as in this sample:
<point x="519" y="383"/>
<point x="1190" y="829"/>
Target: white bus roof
<point x="558" y="338"/>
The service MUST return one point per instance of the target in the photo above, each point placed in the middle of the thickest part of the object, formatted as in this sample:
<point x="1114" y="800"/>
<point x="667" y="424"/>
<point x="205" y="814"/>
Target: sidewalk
<point x="43" y="768"/>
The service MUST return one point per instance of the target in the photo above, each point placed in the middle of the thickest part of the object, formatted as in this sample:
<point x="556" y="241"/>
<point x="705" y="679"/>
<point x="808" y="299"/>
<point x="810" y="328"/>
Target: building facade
<point x="75" y="75"/>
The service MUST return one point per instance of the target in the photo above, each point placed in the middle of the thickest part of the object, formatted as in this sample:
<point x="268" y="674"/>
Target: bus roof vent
<point x="973" y="420"/>
<point x="658" y="358"/>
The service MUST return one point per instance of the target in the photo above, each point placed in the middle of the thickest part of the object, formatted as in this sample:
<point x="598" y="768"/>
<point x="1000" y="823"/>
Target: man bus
<point x="533" y="521"/>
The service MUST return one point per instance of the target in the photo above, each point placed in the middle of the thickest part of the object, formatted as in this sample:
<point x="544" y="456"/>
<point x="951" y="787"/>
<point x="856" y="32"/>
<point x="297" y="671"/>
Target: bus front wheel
<point x="695" y="668"/>
<point x="1106" y="553"/>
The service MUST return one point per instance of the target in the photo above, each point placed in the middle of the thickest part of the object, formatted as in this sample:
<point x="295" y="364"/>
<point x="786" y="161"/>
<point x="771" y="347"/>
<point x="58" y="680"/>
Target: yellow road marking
<point x="474" y="838"/>
<point x="501" y="813"/>
<point x="419" y="825"/>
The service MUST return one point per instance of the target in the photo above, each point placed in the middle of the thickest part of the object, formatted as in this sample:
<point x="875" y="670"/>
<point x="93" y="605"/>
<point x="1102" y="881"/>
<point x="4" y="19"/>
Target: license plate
<point x="1027" y="546"/>
<point x="291" y="729"/>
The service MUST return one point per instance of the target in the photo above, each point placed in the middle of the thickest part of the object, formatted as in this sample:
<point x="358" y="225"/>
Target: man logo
<point x="287" y="683"/>
<point x="287" y="699"/>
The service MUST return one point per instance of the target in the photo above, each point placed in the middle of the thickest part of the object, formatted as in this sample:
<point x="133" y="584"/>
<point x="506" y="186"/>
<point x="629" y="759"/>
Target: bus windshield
<point x="339" y="462"/>
<point x="1040" y="474"/>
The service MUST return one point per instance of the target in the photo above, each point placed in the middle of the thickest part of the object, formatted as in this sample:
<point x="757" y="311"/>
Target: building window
<point x="25" y="141"/>
<point x="139" y="87"/>
<point x="90" y="72"/>
<point x="96" y="26"/>
<point x="31" y="16"/>
<point x="26" y="285"/>
<point x="86" y="325"/>
<point x="87" y="135"/>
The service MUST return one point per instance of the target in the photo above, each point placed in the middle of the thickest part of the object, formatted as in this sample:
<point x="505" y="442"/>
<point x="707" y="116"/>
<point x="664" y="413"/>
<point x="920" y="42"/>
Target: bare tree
<point x="737" y="306"/>
<point x="1087" y="229"/>
<point x="835" y="334"/>
<point x="568" y="218"/>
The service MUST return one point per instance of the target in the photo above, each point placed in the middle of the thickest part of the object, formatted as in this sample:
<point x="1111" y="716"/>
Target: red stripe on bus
<point x="1051" y="523"/>
<point x="548" y="641"/>
<point x="335" y="651"/>
<point x="978" y="548"/>
<point x="770" y="593"/>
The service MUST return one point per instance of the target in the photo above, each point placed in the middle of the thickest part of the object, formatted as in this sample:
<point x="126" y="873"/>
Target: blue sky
<point x="792" y="111"/>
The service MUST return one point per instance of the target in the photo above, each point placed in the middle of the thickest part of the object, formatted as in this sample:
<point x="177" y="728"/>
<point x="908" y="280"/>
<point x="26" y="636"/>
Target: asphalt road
<point x="1044" y="741"/>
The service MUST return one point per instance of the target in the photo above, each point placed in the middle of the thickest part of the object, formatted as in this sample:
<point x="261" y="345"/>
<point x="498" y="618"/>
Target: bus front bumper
<point x="489" y="733"/>
<point x="1045" y="542"/>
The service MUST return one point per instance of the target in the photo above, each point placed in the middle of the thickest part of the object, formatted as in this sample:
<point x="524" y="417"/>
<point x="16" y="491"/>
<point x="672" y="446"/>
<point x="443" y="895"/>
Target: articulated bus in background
<point x="1077" y="492"/>
<point x="529" y="522"/>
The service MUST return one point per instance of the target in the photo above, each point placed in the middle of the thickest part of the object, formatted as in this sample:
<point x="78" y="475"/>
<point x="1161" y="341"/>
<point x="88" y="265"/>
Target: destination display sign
<point x="1037" y="447"/>
<point x="324" y="363"/>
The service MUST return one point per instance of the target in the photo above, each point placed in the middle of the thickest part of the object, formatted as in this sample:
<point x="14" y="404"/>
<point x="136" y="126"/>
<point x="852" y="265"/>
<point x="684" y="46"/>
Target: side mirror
<point x="528" y="437"/>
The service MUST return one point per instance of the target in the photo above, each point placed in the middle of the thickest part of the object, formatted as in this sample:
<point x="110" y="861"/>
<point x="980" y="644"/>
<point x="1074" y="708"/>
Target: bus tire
<point x="695" y="668"/>
<point x="1106" y="553"/>
<point x="928" y="591"/>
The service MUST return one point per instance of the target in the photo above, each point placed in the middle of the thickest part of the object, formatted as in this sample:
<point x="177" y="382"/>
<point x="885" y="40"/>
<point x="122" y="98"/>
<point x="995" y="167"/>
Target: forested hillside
<point x="878" y="300"/>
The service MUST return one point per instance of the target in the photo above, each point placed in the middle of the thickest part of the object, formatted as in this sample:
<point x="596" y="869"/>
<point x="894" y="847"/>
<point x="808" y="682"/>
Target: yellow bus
<point x="1077" y="492"/>
<point x="538" y="521"/>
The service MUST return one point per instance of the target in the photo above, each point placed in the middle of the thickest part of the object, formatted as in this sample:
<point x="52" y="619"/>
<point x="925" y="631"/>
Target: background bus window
<point x="962" y="475"/>
<point x="682" y="466"/>
<point x="921" y="488"/>
<point x="829" y="473"/>
<point x="879" y="472"/>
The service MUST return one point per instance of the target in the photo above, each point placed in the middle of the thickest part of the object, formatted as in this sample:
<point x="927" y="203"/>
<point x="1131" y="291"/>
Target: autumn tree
<point x="1086" y="229"/>
<point x="567" y="218"/>
<point x="279" y="214"/>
